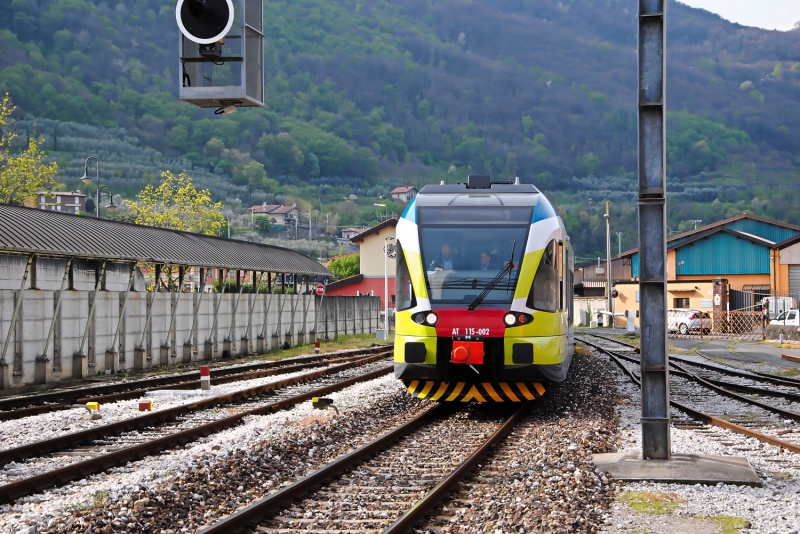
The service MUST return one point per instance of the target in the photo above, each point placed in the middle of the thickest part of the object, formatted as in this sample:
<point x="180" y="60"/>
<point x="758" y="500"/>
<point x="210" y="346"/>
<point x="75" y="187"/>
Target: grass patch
<point x="352" y="341"/>
<point x="729" y="524"/>
<point x="648" y="502"/>
<point x="631" y="339"/>
<point x="789" y="373"/>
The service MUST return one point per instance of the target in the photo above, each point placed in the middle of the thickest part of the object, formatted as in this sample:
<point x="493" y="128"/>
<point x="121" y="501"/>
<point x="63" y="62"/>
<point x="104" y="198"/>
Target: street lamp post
<point x="88" y="179"/>
<point x="386" y="241"/>
<point x="619" y="239"/>
<point x="696" y="222"/>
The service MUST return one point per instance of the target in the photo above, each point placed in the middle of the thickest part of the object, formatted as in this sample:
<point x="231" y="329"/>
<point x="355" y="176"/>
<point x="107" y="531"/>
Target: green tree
<point x="345" y="266"/>
<point x="24" y="173"/>
<point x="527" y="123"/>
<point x="262" y="224"/>
<point x="590" y="164"/>
<point x="281" y="152"/>
<point x="178" y="205"/>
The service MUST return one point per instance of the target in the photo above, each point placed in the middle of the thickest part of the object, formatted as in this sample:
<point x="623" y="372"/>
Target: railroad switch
<point x="320" y="403"/>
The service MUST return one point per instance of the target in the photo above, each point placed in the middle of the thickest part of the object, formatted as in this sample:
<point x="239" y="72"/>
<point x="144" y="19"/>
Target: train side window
<point x="404" y="291"/>
<point x="544" y="291"/>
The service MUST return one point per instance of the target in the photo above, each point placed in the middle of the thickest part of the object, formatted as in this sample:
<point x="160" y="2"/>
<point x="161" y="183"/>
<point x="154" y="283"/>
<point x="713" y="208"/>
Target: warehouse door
<point x="794" y="279"/>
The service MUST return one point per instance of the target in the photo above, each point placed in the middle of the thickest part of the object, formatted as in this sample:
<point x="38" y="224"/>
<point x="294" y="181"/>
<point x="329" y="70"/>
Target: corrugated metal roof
<point x="51" y="233"/>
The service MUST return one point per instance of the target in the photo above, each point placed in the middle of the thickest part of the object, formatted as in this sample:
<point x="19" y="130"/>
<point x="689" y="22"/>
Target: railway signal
<point x="205" y="22"/>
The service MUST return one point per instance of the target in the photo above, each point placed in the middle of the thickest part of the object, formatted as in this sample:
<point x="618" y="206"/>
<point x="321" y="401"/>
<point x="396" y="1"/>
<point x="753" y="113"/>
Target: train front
<point x="483" y="293"/>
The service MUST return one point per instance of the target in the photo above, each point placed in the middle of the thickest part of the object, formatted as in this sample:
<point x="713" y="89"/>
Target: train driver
<point x="445" y="261"/>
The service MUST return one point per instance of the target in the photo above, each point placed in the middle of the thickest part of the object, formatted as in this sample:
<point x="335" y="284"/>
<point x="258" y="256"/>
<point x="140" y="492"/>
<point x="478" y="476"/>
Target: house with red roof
<point x="278" y="214"/>
<point x="377" y="268"/>
<point x="404" y="193"/>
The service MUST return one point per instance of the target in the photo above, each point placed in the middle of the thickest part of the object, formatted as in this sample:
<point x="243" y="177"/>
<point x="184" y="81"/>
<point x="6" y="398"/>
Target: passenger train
<point x="483" y="293"/>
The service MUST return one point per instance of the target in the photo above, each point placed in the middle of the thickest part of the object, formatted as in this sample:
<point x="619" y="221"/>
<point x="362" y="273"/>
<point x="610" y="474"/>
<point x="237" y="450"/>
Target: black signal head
<point x="204" y="21"/>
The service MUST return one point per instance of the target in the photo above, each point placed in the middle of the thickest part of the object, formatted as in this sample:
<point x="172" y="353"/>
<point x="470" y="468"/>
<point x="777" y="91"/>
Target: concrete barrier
<point x="222" y="326"/>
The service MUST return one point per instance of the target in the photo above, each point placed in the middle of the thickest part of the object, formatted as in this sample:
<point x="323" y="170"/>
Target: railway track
<point x="748" y="409"/>
<point x="389" y="484"/>
<point x="145" y="435"/>
<point x="20" y="406"/>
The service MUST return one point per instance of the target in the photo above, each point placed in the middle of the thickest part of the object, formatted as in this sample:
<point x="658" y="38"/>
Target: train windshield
<point x="463" y="248"/>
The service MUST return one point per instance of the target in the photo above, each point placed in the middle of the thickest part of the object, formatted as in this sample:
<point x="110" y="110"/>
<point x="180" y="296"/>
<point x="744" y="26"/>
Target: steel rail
<point x="249" y="516"/>
<point x="70" y="396"/>
<point x="75" y="439"/>
<point x="60" y="477"/>
<point x="795" y="397"/>
<point x="226" y="379"/>
<point x="763" y="377"/>
<point x="418" y="511"/>
<point x="713" y="385"/>
<point x="704" y="417"/>
<point x="190" y="384"/>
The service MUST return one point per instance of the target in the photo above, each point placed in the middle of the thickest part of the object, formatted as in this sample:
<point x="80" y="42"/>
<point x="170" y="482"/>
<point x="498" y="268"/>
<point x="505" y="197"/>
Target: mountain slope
<point x="360" y="90"/>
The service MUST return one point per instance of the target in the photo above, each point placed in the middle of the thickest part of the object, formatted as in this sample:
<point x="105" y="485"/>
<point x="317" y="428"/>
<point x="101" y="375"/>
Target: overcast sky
<point x="768" y="14"/>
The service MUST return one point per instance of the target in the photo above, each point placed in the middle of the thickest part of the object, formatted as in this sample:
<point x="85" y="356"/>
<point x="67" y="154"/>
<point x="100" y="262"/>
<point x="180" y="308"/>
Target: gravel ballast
<point x="540" y="479"/>
<point x="186" y="488"/>
<point x="771" y="509"/>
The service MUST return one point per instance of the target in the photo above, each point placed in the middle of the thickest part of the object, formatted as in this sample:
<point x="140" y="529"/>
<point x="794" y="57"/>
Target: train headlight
<point x="517" y="319"/>
<point x="431" y="318"/>
<point x="418" y="318"/>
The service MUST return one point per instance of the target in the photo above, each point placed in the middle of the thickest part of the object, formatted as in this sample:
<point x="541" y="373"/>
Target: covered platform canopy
<point x="48" y="233"/>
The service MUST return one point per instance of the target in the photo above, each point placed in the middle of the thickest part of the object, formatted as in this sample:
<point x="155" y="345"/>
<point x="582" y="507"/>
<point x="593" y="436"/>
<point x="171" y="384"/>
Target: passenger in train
<point x="485" y="262"/>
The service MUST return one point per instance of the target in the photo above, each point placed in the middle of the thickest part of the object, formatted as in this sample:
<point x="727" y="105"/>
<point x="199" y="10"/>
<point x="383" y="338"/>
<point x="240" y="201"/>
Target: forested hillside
<point x="364" y="95"/>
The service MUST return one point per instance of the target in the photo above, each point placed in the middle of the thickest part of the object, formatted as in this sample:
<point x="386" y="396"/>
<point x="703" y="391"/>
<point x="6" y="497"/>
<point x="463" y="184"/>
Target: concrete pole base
<point x="164" y="356"/>
<point x="208" y="351"/>
<point x="41" y="374"/>
<point x="109" y="363"/>
<point x="188" y="353"/>
<point x="139" y="359"/>
<point x="5" y="376"/>
<point x="260" y="345"/>
<point x="80" y="366"/>
<point x="244" y="346"/>
<point x="227" y="348"/>
<point x="679" y="469"/>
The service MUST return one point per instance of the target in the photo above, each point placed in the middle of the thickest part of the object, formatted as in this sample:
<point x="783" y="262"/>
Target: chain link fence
<point x="736" y="324"/>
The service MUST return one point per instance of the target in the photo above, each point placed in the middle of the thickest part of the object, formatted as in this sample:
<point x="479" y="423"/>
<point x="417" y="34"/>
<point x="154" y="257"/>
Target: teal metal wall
<point x="718" y="254"/>
<point x="762" y="229"/>
<point x="721" y="254"/>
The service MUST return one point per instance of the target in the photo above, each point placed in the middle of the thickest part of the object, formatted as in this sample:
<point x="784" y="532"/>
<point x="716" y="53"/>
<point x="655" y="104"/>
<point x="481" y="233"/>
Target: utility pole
<point x="619" y="239"/>
<point x="608" y="259"/>
<point x="309" y="224"/>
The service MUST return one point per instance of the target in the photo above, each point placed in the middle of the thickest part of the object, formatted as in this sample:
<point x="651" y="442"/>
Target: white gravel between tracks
<point x="771" y="509"/>
<point x="41" y="509"/>
<point x="18" y="432"/>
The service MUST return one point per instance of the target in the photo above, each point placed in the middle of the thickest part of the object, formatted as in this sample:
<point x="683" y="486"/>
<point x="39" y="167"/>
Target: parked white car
<point x="688" y="320"/>
<point x="788" y="318"/>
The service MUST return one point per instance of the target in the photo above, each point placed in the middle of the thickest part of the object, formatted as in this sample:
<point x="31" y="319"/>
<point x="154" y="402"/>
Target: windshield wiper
<point x="507" y="268"/>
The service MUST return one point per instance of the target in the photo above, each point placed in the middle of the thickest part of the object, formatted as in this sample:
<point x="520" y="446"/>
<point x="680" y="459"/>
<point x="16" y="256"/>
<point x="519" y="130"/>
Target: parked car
<point x="688" y="320"/>
<point x="788" y="318"/>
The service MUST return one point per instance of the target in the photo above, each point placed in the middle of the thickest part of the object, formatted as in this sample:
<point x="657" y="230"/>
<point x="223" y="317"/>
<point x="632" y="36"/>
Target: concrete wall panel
<point x="280" y="318"/>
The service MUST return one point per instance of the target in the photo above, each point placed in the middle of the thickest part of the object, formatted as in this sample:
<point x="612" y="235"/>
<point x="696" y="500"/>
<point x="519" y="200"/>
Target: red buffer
<point x="467" y="352"/>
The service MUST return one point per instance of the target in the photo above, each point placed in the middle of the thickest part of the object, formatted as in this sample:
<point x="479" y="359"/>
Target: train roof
<point x="480" y="183"/>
